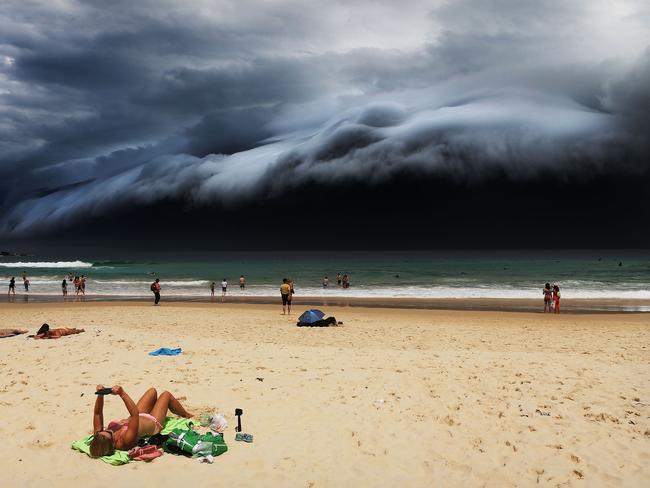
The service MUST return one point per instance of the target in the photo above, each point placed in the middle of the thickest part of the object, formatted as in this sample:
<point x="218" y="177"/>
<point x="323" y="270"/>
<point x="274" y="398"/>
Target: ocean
<point x="452" y="274"/>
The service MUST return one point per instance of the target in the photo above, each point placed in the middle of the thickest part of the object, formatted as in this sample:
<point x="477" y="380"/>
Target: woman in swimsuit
<point x="146" y="418"/>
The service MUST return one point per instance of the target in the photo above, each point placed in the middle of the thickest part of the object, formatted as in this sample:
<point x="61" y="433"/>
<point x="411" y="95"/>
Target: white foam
<point x="48" y="264"/>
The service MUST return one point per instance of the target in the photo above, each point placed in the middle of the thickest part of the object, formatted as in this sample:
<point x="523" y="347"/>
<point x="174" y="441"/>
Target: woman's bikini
<point x="118" y="427"/>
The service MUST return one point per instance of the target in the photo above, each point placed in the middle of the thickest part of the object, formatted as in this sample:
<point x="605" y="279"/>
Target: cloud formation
<point x="105" y="105"/>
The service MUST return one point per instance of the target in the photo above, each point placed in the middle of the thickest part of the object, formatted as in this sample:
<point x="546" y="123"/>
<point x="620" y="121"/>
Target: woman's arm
<point x="98" y="414"/>
<point x="130" y="437"/>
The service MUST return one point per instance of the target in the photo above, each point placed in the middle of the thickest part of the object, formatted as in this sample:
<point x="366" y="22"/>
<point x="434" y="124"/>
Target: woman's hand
<point x="117" y="390"/>
<point x="99" y="387"/>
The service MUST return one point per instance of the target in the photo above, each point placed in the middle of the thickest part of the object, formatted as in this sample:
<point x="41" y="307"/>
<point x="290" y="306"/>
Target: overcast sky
<point x="112" y="105"/>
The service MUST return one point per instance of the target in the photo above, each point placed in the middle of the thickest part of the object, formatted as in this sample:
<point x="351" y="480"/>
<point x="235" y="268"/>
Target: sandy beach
<point x="393" y="397"/>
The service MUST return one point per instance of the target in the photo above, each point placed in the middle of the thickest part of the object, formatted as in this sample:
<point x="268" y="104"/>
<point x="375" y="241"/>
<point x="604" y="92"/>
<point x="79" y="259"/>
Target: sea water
<point x="452" y="274"/>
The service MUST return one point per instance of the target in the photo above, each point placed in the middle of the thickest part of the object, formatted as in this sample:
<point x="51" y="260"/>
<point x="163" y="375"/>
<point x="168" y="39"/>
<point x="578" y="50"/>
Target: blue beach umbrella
<point x="311" y="316"/>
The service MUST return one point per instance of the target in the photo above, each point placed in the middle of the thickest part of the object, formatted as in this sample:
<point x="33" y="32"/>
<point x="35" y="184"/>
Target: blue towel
<point x="165" y="351"/>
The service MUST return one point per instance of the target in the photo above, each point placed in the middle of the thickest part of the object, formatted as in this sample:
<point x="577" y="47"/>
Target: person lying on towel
<point x="46" y="333"/>
<point x="146" y="418"/>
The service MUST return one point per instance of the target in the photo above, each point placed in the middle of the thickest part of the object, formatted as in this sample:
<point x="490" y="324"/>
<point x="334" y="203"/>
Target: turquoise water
<point x="511" y="274"/>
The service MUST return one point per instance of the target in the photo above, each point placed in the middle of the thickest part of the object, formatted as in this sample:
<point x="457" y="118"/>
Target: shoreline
<point x="569" y="306"/>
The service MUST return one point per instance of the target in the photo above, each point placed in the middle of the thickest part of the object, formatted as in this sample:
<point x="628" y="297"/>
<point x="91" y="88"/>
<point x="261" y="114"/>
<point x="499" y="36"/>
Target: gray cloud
<point x="109" y="104"/>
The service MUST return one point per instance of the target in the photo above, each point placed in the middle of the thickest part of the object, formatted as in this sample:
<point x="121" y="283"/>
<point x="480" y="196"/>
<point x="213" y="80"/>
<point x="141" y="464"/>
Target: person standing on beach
<point x="285" y="293"/>
<point x="64" y="287"/>
<point x="556" y="298"/>
<point x="76" y="283"/>
<point x="242" y="282"/>
<point x="212" y="285"/>
<point x="338" y="279"/>
<point x="155" y="288"/>
<point x="12" y="286"/>
<point x="82" y="288"/>
<point x="326" y="282"/>
<point x="547" y="297"/>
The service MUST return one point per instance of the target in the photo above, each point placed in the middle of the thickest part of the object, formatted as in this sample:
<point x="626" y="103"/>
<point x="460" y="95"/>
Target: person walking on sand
<point x="285" y="293"/>
<point x="155" y="288"/>
<point x="556" y="298"/>
<point x="212" y="285"/>
<point x="547" y="297"/>
<point x="12" y="286"/>
<point x="224" y="289"/>
<point x="242" y="282"/>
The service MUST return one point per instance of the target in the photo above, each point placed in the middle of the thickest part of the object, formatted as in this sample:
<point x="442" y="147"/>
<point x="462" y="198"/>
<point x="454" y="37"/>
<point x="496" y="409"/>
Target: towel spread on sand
<point x="122" y="457"/>
<point x="165" y="351"/>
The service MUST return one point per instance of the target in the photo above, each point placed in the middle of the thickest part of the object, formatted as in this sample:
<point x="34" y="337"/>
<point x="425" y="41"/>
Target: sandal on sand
<point x="240" y="436"/>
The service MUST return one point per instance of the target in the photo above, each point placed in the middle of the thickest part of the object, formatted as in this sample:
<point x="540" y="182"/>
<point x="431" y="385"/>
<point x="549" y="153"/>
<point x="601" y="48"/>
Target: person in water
<point x="242" y="282"/>
<point x="12" y="286"/>
<point x="547" y="297"/>
<point x="146" y="418"/>
<point x="64" y="287"/>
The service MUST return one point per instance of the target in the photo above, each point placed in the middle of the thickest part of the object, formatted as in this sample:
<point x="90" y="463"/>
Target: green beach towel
<point x="122" y="457"/>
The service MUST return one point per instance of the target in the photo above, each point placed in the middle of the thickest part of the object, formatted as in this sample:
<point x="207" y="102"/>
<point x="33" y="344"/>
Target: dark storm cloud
<point x="109" y="105"/>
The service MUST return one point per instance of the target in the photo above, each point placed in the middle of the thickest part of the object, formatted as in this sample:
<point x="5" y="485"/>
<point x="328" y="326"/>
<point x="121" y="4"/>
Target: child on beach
<point x="146" y="418"/>
<point x="547" y="297"/>
<point x="64" y="287"/>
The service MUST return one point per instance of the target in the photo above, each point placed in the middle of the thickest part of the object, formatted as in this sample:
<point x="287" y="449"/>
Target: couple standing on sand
<point x="286" y="292"/>
<point x="551" y="298"/>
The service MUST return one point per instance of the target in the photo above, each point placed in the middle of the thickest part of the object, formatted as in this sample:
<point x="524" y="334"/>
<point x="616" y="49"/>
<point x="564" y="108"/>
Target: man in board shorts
<point x="285" y="292"/>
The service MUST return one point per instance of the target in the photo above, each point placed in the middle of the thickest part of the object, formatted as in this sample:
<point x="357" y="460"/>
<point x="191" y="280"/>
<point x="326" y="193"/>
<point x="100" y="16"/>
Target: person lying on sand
<point x="146" y="418"/>
<point x="46" y="333"/>
<point x="11" y="332"/>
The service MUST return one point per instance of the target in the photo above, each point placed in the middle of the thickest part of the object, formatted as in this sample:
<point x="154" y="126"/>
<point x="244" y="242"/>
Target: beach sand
<point x="393" y="397"/>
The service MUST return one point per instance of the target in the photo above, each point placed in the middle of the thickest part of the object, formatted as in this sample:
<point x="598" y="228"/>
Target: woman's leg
<point x="167" y="401"/>
<point x="147" y="401"/>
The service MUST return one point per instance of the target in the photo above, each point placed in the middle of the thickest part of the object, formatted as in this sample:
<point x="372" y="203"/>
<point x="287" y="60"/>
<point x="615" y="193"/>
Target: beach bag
<point x="153" y="287"/>
<point x="189" y="442"/>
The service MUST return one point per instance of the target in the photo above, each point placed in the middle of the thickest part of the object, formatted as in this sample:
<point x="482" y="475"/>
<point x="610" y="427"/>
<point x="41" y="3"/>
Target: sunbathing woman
<point x="146" y="418"/>
<point x="46" y="333"/>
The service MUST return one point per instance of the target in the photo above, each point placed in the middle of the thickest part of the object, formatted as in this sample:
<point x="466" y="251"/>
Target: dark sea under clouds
<point x="433" y="275"/>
